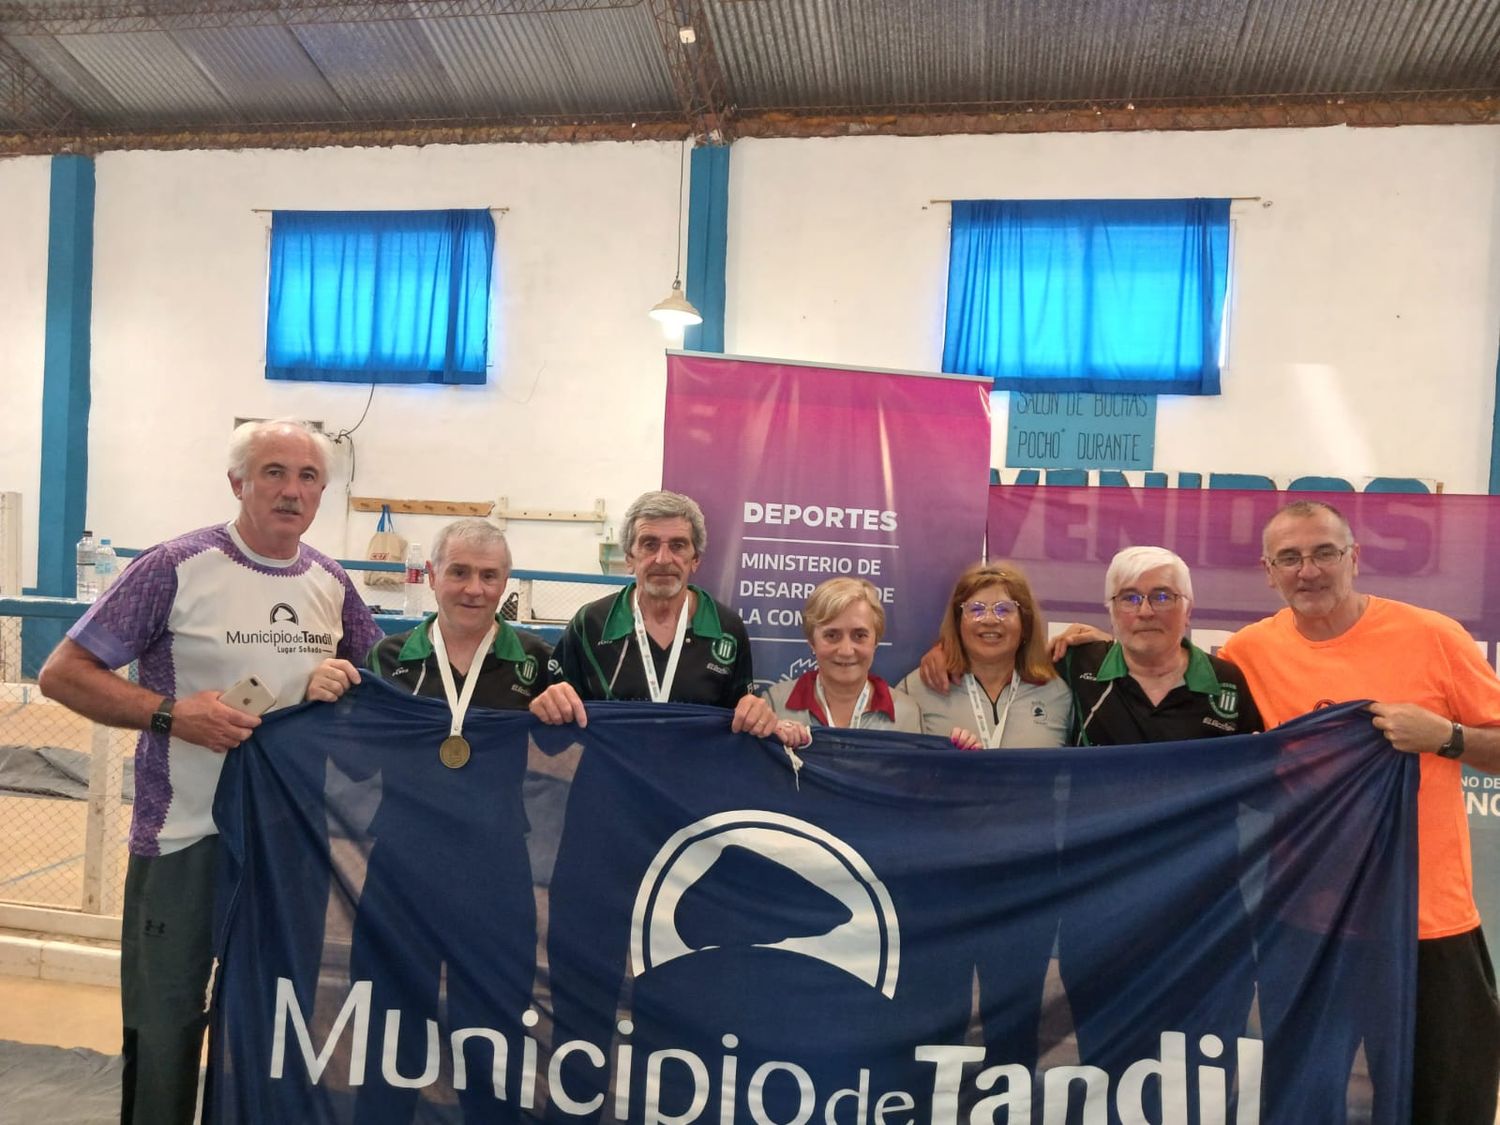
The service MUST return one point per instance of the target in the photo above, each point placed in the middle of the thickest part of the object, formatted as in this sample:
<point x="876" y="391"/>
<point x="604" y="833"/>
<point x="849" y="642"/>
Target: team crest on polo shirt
<point x="724" y="649"/>
<point x="526" y="670"/>
<point x="1225" y="702"/>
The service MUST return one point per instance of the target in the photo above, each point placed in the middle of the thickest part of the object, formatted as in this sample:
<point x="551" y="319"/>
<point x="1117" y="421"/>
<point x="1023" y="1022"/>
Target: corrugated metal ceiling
<point x="117" y="66"/>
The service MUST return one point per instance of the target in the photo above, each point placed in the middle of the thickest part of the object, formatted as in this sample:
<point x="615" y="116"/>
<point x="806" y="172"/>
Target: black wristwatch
<point x="161" y="718"/>
<point x="1454" y="747"/>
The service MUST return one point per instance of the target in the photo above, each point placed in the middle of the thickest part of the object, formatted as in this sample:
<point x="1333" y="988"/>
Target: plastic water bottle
<point x="87" y="583"/>
<point x="106" y="565"/>
<point x="415" y="586"/>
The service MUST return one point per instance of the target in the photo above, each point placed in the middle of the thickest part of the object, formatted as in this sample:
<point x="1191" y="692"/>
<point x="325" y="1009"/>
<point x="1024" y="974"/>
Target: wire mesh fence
<point x="65" y="790"/>
<point x="66" y="784"/>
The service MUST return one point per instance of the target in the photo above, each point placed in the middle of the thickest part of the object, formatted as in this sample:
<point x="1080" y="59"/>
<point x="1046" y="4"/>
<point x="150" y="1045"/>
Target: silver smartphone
<point x="250" y="696"/>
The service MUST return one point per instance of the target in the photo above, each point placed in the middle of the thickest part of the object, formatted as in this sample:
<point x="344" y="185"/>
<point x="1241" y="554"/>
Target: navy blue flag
<point x="655" y="920"/>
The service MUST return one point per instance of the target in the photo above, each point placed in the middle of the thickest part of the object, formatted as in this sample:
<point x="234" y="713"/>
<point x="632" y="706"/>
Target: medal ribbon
<point x="458" y="705"/>
<point x="980" y="704"/>
<point x="660" y="692"/>
<point x="859" y="704"/>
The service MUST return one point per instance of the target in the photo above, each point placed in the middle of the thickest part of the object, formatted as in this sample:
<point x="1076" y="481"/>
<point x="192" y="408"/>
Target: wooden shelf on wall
<point x="423" y="507"/>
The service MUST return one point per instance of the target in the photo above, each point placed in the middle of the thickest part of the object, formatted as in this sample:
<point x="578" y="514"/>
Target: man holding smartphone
<point x="200" y="613"/>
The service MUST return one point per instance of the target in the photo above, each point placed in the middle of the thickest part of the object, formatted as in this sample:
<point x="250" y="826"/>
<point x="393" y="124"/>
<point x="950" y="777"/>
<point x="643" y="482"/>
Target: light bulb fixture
<point x="675" y="313"/>
<point x="675" y="310"/>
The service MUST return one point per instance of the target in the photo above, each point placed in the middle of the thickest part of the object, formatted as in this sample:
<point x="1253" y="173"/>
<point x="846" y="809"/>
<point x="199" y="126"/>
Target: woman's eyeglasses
<point x="1002" y="610"/>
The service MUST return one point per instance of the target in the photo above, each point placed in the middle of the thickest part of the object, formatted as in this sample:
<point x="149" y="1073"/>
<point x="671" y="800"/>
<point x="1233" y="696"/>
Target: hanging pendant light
<point x="675" y="312"/>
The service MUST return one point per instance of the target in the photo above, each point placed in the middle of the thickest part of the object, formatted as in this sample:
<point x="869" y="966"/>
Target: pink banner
<point x="1442" y="552"/>
<point x="1438" y="551"/>
<point x="807" y="473"/>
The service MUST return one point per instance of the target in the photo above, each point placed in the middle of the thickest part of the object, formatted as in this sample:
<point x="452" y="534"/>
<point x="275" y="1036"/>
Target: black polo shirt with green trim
<point x="597" y="653"/>
<point x="514" y="670"/>
<point x="1111" y="709"/>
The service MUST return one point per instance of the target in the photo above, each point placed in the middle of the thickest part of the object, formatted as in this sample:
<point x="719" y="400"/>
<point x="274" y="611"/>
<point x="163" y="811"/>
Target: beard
<point x="663" y="585"/>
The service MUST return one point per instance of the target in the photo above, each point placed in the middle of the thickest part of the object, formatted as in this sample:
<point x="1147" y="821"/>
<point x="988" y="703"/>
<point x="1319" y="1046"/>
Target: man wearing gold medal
<point x="660" y="639"/>
<point x="500" y="667"/>
<point x="479" y="911"/>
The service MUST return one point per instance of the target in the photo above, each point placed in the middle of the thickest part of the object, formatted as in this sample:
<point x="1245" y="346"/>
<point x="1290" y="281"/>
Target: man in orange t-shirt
<point x="1436" y="697"/>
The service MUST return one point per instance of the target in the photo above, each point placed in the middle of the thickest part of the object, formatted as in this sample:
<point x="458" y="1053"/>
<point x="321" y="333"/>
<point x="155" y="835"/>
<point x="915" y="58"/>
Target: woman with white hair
<point x="1149" y="683"/>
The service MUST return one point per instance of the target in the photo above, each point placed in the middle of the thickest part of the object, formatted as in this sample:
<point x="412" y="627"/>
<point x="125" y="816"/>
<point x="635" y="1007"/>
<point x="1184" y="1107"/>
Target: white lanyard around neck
<point x="458" y="705"/>
<point x="980" y="703"/>
<point x="660" y="692"/>
<point x="859" y="704"/>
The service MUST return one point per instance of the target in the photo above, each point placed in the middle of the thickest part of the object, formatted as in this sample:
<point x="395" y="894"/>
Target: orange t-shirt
<point x="1395" y="653"/>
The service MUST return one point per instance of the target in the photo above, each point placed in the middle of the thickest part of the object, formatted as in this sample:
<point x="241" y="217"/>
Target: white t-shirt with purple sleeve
<point x="199" y="613"/>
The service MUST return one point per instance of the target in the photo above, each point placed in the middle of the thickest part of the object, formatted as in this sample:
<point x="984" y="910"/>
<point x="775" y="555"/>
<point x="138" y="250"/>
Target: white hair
<point x="242" y="442"/>
<point x="1126" y="568"/>
<point x="471" y="532"/>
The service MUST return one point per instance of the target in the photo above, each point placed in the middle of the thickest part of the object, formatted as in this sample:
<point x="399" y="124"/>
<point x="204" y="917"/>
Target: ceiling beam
<point x="646" y="127"/>
<point x="1445" y="108"/>
<point x="693" y="63"/>
<point x="1472" y="109"/>
<point x="71" y="17"/>
<point x="26" y="97"/>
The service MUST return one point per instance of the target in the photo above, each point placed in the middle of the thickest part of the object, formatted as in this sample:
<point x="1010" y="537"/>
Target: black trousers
<point x="166" y="952"/>
<point x="1456" y="1059"/>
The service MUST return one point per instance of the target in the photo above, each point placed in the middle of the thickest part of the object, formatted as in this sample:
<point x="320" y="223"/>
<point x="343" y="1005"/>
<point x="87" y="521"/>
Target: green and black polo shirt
<point x="1111" y="709"/>
<point x="514" y="671"/>
<point x="597" y="654"/>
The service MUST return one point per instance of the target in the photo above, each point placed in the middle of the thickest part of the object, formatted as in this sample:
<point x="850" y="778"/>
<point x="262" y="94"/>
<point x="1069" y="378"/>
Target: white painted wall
<point x="573" y="410"/>
<point x="1367" y="295"/>
<point x="24" y="186"/>
<point x="1365" y="324"/>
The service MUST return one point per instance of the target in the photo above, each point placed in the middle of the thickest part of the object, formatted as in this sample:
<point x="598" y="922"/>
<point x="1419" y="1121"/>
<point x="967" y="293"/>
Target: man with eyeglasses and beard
<point x="1437" y="698"/>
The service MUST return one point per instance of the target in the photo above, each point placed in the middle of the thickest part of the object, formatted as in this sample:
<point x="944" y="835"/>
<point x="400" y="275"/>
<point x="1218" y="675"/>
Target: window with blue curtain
<point x="380" y="296"/>
<point x="1122" y="296"/>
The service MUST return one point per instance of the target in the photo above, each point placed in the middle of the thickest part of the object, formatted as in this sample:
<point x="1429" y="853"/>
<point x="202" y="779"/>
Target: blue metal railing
<point x="50" y="617"/>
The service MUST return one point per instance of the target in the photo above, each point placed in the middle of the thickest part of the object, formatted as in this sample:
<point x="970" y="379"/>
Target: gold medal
<point x="454" y="752"/>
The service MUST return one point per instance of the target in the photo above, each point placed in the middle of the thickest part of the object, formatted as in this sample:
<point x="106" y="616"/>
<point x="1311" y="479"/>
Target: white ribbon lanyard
<point x="458" y="704"/>
<point x="859" y="704"/>
<point x="982" y="709"/>
<point x="660" y="692"/>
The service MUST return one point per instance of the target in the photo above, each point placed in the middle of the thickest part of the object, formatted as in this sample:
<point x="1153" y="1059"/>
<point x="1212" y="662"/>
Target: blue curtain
<point x="1110" y="296"/>
<point x="380" y="296"/>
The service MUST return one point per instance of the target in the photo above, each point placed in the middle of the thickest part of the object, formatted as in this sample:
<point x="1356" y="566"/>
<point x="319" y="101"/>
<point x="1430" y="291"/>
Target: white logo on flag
<point x="867" y="945"/>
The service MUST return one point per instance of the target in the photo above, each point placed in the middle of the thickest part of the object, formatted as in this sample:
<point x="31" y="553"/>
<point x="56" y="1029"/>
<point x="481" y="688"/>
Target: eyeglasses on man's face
<point x="1003" y="610"/>
<point x="1160" y="599"/>
<point x="1322" y="557"/>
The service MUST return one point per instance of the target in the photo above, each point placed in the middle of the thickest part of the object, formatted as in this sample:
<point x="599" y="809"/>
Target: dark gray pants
<point x="166" y="951"/>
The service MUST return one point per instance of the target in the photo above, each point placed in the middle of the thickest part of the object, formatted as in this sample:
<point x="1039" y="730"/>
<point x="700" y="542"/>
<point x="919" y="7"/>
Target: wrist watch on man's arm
<point x="1454" y="747"/>
<point x="161" y="718"/>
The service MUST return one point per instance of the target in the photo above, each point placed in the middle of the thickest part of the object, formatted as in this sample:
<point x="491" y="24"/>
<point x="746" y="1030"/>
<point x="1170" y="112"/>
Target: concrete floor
<point x="60" y="1014"/>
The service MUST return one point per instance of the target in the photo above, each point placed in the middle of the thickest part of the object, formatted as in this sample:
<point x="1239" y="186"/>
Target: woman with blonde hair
<point x="843" y="622"/>
<point x="993" y="641"/>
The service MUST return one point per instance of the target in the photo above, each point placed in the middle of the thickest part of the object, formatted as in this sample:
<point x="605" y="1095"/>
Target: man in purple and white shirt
<point x="200" y="613"/>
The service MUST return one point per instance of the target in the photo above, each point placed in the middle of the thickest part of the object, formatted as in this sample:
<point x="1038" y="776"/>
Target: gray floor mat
<point x="57" y="1085"/>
